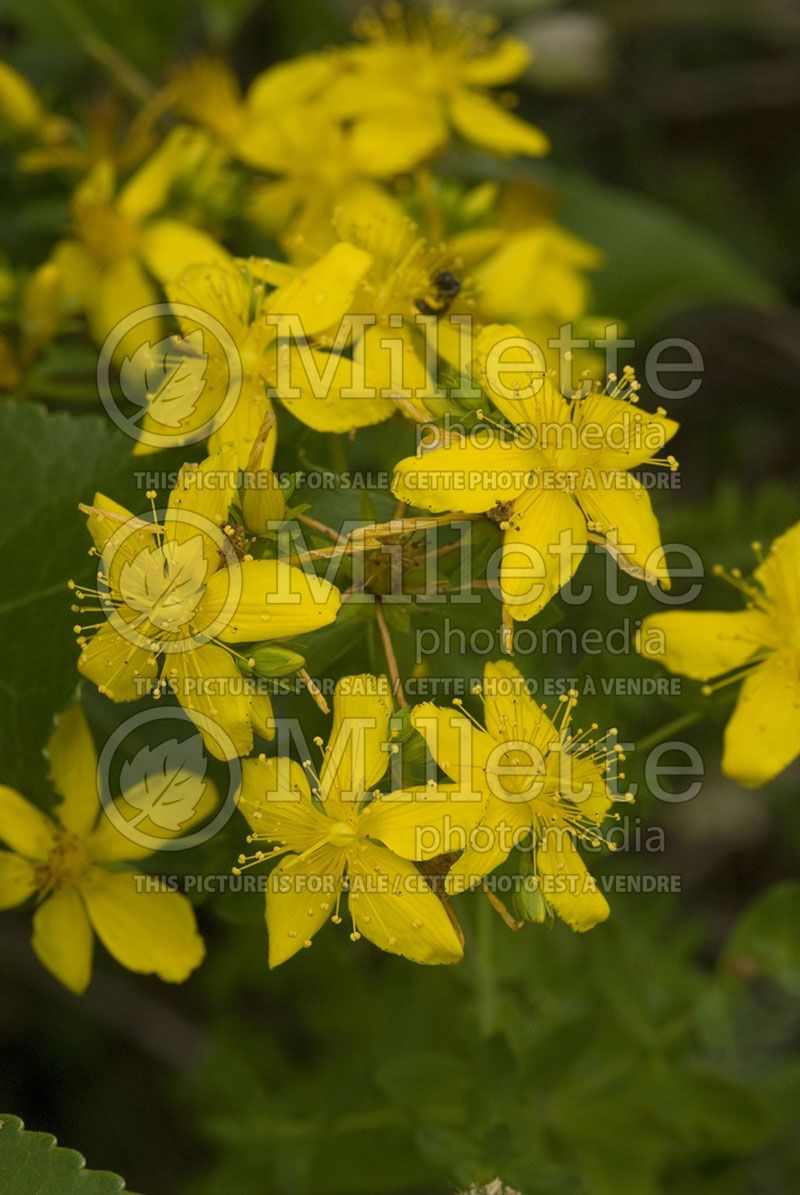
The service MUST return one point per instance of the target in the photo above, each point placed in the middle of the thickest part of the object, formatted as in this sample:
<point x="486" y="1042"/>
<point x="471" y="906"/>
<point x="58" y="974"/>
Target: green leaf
<point x="657" y="262"/>
<point x="33" y="1164"/>
<point x="766" y="941"/>
<point x="52" y="462"/>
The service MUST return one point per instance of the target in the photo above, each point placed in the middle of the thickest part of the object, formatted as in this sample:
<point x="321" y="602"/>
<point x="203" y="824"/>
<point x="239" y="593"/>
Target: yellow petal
<point x="149" y="932"/>
<point x="199" y="505"/>
<point x="106" y="519"/>
<point x="391" y="904"/>
<point x="303" y="894"/>
<point x="703" y="644"/>
<point x="62" y="939"/>
<point x="78" y="275"/>
<point x="547" y="253"/>
<point x="630" y="436"/>
<point x="395" y="140"/>
<point x="322" y="294"/>
<point x="108" y="843"/>
<point x="510" y="368"/>
<point x="246" y="422"/>
<point x="420" y="823"/>
<point x="566" y="884"/>
<point x="504" y="62"/>
<point x="17" y="879"/>
<point x="501" y="828"/>
<point x="169" y="247"/>
<point x="73" y="771"/>
<point x="357" y="754"/>
<point x="483" y="122"/>
<point x="463" y="476"/>
<point x="763" y="736"/>
<point x="122" y="289"/>
<point x="542" y="547"/>
<point x="262" y="715"/>
<point x="275" y="600"/>
<point x="780" y="572"/>
<point x="393" y="364"/>
<point x="120" y="669"/>
<point x="276" y="800"/>
<point x="23" y="827"/>
<point x="220" y="291"/>
<point x="20" y="110"/>
<point x="147" y="191"/>
<point x="207" y="682"/>
<point x="619" y="509"/>
<point x="283" y="86"/>
<point x="510" y="711"/>
<point x="320" y="379"/>
<point x="458" y="747"/>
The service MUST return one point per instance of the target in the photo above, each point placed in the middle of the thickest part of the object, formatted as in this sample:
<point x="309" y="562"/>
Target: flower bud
<point x="262" y="501"/>
<point x="20" y="111"/>
<point x="529" y="904"/>
<point x="269" y="660"/>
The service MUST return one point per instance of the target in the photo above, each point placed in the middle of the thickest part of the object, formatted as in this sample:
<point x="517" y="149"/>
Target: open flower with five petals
<point x="417" y="76"/>
<point x="176" y="598"/>
<point x="559" y="471"/>
<point x="760" y="646"/>
<point x="542" y="786"/>
<point x="73" y="863"/>
<point x="342" y="835"/>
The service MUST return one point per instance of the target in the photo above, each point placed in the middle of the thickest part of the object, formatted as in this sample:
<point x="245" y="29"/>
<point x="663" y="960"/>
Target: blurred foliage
<point x="659" y="1052"/>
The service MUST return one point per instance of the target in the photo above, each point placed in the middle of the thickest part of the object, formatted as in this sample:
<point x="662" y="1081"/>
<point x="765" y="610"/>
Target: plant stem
<point x="664" y="732"/>
<point x="388" y="648"/>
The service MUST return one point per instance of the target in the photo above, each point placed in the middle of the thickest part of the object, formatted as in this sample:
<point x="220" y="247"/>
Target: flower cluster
<point x="367" y="288"/>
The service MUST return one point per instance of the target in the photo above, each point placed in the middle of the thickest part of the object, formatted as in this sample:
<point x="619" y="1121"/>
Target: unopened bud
<point x="269" y="660"/>
<point x="262" y="502"/>
<point x="20" y="110"/>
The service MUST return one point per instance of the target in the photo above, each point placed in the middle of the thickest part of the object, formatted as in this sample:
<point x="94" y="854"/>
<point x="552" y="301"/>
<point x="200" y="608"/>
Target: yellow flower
<point x="284" y="126"/>
<point x="418" y="75"/>
<point x="409" y="282"/>
<point x="121" y="243"/>
<point x="252" y="127"/>
<point x="174" y="597"/>
<point x="539" y="782"/>
<point x="760" y="645"/>
<point x="253" y="301"/>
<point x="72" y="864"/>
<point x="341" y="829"/>
<point x="524" y="267"/>
<point x="559" y="473"/>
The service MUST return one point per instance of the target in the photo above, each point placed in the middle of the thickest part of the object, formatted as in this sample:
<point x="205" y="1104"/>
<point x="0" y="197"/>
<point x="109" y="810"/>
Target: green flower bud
<point x="269" y="660"/>
<point x="529" y="904"/>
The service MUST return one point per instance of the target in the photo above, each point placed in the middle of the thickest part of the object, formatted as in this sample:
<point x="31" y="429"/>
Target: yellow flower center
<point x="527" y="779"/>
<point x="166" y="582"/>
<point x="66" y="864"/>
<point x="342" y="834"/>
